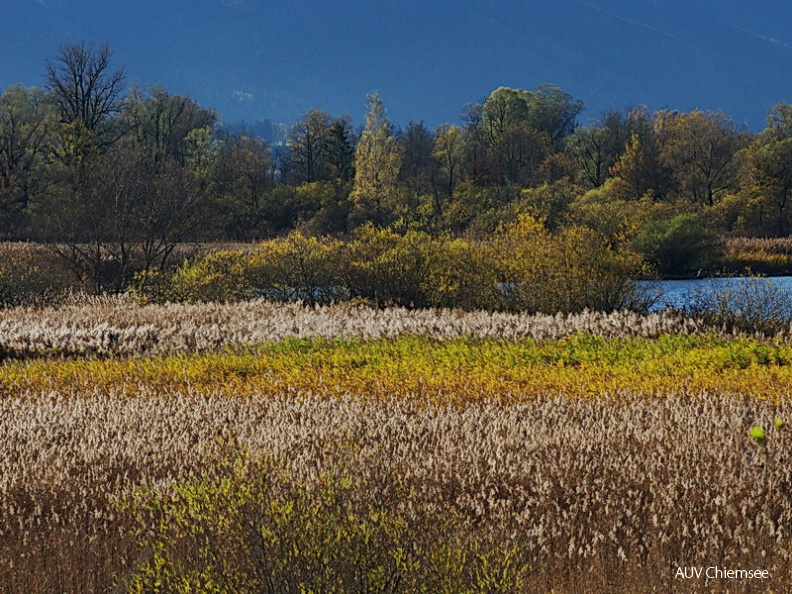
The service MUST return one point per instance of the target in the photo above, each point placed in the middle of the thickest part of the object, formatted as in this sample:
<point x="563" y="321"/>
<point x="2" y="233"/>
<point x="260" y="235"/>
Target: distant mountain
<point x="262" y="59"/>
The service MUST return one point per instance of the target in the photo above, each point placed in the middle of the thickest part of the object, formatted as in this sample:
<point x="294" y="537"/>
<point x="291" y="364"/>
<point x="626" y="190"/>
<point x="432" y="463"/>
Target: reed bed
<point x="238" y="448"/>
<point x="765" y="255"/>
<point x="117" y="327"/>
<point x="769" y="245"/>
<point x="595" y="496"/>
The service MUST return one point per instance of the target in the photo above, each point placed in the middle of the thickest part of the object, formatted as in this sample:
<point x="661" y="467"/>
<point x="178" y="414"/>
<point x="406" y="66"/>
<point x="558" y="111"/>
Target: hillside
<point x="255" y="59"/>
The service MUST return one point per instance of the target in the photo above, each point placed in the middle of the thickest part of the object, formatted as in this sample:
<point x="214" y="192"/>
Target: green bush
<point x="522" y="267"/>
<point x="247" y="526"/>
<point x="414" y="269"/>
<point x="595" y="276"/>
<point x="575" y="270"/>
<point x="15" y="283"/>
<point x="678" y="245"/>
<point x="389" y="268"/>
<point x="153" y="286"/>
<point x="610" y="213"/>
<point x="461" y="276"/>
<point x="219" y="276"/>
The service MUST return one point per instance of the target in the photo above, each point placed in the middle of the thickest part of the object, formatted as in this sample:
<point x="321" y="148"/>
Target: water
<point x="674" y="293"/>
<point x="670" y="293"/>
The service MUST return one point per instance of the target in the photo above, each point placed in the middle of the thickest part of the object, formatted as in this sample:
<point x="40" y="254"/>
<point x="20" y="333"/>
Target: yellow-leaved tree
<point x="377" y="162"/>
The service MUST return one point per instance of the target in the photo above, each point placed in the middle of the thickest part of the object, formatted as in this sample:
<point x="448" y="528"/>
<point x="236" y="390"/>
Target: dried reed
<point x="598" y="496"/>
<point x="116" y="326"/>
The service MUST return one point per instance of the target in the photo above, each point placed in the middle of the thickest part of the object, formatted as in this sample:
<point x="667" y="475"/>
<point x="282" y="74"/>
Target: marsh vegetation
<point x="256" y="447"/>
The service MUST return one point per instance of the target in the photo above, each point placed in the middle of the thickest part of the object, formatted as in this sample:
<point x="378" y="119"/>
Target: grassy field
<point x="262" y="448"/>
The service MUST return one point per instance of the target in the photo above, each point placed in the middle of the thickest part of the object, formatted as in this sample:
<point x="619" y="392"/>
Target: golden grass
<point x="765" y="255"/>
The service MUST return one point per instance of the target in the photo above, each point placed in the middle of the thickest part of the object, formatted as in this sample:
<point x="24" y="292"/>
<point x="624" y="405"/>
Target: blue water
<point x="675" y="293"/>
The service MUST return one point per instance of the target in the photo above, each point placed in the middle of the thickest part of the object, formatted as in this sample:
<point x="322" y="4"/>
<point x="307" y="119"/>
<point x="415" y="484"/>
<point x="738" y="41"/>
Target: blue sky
<point x="256" y="59"/>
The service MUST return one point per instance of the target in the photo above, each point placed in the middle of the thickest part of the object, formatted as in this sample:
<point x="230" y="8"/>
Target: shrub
<point x="609" y="212"/>
<point x="678" y="245"/>
<point x="523" y="267"/>
<point x="17" y="283"/>
<point x="153" y="286"/>
<point x="414" y="269"/>
<point x="571" y="272"/>
<point x="252" y="528"/>
<point x="218" y="276"/>
<point x="297" y="267"/>
<point x="22" y="278"/>
<point x="597" y="277"/>
<point x="389" y="268"/>
<point x="461" y="276"/>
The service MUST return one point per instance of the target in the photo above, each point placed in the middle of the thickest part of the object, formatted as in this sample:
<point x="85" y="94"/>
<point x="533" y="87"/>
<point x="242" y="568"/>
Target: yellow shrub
<point x="576" y="270"/>
<point x="297" y="267"/>
<point x="219" y="276"/>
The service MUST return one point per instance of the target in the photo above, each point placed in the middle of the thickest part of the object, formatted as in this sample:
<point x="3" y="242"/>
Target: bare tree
<point x="86" y="90"/>
<point x="308" y="143"/>
<point x="162" y="122"/>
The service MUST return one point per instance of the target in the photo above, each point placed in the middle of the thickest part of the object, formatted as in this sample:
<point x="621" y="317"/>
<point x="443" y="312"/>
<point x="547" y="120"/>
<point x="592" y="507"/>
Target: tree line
<point x="113" y="177"/>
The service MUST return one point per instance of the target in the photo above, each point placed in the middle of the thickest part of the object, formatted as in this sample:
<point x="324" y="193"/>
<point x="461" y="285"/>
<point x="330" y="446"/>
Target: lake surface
<point x="674" y="293"/>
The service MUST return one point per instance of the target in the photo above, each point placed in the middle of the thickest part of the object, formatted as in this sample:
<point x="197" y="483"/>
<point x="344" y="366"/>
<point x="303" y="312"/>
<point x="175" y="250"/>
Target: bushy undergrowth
<point x="678" y="245"/>
<point x="249" y="526"/>
<point x="522" y="267"/>
<point x="30" y="275"/>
